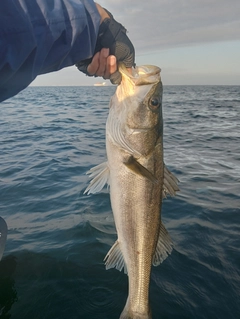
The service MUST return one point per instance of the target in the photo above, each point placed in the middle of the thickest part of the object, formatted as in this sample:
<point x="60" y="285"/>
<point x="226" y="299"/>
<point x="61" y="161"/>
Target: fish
<point x="3" y="236"/>
<point x="138" y="181"/>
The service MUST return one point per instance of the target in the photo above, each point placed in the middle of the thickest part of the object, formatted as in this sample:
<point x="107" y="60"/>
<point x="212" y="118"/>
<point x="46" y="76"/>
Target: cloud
<point x="193" y="41"/>
<point x="155" y="25"/>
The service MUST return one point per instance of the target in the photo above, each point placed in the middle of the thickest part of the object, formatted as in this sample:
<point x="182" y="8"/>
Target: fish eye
<point x="154" y="103"/>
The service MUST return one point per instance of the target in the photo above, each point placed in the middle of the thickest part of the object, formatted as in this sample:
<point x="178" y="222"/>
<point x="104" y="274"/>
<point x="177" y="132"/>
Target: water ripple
<point x="58" y="237"/>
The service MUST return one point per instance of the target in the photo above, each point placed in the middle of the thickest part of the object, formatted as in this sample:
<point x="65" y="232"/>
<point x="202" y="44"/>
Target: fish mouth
<point x="141" y="75"/>
<point x="148" y="70"/>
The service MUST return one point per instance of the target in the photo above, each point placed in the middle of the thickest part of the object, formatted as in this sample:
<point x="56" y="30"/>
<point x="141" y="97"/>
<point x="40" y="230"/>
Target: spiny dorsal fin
<point x="138" y="169"/>
<point x="100" y="177"/>
<point x="114" y="258"/>
<point x="169" y="183"/>
<point x="164" y="246"/>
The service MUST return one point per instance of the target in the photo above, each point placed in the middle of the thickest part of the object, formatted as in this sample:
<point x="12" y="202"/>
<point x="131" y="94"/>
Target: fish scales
<point x="132" y="196"/>
<point x="135" y="172"/>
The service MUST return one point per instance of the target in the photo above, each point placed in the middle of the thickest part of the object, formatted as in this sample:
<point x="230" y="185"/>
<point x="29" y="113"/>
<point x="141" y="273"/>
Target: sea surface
<point x="52" y="267"/>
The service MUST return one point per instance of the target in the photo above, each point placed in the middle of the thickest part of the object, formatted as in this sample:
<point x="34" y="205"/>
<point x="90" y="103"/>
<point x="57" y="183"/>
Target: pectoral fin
<point x="100" y="177"/>
<point x="114" y="258"/>
<point x="164" y="247"/>
<point x="138" y="169"/>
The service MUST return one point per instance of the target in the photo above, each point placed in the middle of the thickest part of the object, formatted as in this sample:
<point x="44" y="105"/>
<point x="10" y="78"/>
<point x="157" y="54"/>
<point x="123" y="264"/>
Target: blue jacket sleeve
<point x="41" y="36"/>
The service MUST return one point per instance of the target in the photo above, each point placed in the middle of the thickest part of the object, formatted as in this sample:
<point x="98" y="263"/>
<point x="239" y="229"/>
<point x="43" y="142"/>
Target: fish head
<point x="137" y="106"/>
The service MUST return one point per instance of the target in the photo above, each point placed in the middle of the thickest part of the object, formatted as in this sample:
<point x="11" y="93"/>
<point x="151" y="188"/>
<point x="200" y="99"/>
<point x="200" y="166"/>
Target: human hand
<point x="113" y="45"/>
<point x="102" y="64"/>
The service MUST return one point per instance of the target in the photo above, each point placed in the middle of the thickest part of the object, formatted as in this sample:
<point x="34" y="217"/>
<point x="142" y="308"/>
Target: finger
<point x="94" y="65"/>
<point x="112" y="64"/>
<point x="104" y="53"/>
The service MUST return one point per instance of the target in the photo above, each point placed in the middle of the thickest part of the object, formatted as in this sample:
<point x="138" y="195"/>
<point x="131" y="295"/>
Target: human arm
<point x="112" y="36"/>
<point x="41" y="36"/>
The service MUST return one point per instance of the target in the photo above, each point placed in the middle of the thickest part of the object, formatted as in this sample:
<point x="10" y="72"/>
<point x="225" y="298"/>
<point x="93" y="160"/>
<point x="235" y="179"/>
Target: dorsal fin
<point x="163" y="248"/>
<point x="169" y="183"/>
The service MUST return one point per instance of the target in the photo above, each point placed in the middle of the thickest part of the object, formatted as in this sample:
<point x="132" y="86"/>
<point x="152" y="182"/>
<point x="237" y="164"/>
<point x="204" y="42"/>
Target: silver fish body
<point x="138" y="181"/>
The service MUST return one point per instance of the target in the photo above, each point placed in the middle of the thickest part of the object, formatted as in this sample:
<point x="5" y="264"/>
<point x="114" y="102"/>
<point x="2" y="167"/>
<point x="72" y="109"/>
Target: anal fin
<point x="114" y="258"/>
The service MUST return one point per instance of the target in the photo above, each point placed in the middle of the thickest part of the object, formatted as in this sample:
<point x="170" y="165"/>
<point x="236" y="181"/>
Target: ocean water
<point x="52" y="267"/>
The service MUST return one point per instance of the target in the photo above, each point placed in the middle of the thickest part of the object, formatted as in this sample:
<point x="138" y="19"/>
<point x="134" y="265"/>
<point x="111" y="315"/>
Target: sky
<point x="194" y="42"/>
